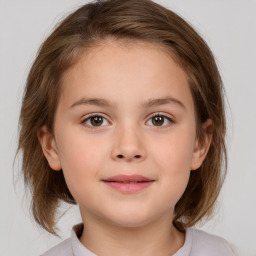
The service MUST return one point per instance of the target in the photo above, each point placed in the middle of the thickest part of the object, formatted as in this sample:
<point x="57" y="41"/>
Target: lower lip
<point x="128" y="188"/>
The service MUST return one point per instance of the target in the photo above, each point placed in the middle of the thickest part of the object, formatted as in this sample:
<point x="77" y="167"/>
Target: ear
<point x="49" y="147"/>
<point x="202" y="144"/>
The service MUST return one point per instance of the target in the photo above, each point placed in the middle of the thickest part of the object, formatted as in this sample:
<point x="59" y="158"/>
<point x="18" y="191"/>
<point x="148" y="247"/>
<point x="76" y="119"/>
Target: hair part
<point x="124" y="21"/>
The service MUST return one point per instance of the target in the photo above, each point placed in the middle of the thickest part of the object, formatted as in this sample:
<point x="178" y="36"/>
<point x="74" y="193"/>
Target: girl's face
<point x="125" y="111"/>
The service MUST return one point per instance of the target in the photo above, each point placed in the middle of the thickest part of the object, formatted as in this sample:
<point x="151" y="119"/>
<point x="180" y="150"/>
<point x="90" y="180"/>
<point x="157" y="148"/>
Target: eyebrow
<point x="148" y="103"/>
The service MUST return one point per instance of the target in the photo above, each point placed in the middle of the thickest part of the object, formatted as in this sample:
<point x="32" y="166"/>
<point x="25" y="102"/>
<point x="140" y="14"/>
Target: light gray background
<point x="228" y="26"/>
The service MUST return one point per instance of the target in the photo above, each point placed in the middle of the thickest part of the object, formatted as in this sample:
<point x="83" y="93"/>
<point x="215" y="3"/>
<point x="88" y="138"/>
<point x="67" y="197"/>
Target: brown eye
<point x="94" y="121"/>
<point x="160" y="120"/>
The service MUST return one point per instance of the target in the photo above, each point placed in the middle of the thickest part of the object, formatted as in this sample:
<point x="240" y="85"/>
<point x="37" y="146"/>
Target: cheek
<point x="173" y="158"/>
<point x="79" y="159"/>
<point x="77" y="150"/>
<point x="175" y="153"/>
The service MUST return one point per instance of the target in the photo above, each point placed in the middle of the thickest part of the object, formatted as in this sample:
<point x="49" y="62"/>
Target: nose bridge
<point x="128" y="142"/>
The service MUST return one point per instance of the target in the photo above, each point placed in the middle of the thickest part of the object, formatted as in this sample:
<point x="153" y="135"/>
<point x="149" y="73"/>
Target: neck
<point x="155" y="238"/>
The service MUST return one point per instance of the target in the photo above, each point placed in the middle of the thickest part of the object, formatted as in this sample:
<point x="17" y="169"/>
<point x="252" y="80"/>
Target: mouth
<point x="128" y="183"/>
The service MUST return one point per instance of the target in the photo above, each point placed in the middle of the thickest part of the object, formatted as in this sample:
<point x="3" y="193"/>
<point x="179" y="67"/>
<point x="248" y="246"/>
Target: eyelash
<point x="100" y="115"/>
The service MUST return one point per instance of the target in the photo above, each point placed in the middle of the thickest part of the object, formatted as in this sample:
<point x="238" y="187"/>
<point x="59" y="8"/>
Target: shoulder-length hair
<point x="88" y="26"/>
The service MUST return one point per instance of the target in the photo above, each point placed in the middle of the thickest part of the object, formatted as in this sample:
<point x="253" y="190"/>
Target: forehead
<point x="123" y="69"/>
<point x="129" y="46"/>
<point x="101" y="51"/>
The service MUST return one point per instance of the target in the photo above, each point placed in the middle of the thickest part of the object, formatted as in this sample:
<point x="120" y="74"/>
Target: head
<point x="131" y="24"/>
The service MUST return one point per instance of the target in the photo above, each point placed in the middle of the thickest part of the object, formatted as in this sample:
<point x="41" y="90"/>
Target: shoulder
<point x="208" y="244"/>
<point x="64" y="249"/>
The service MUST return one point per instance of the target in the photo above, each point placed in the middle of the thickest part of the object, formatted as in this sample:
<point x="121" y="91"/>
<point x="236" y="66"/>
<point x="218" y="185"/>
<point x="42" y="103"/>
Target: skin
<point x="128" y="141"/>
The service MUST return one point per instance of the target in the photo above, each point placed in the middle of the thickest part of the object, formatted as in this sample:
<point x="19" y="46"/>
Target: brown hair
<point x="91" y="24"/>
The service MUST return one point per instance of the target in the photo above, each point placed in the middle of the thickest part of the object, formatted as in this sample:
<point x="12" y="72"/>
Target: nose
<point x="128" y="145"/>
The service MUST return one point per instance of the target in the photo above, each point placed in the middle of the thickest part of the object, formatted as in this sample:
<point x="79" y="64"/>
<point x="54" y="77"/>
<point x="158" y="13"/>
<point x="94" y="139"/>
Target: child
<point x="123" y="114"/>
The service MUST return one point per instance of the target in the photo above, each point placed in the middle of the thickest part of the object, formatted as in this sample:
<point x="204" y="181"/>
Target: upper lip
<point x="128" y="178"/>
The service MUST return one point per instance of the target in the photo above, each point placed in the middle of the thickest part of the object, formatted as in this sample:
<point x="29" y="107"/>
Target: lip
<point x="128" y="183"/>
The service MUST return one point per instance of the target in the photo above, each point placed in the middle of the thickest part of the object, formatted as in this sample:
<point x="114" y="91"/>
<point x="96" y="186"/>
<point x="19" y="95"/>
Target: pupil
<point x="158" y="120"/>
<point x="96" y="120"/>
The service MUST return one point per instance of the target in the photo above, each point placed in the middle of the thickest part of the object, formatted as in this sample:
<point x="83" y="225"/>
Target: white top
<point x="197" y="243"/>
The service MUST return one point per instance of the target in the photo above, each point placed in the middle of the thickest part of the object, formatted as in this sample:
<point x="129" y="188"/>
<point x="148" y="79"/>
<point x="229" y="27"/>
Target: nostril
<point x="121" y="156"/>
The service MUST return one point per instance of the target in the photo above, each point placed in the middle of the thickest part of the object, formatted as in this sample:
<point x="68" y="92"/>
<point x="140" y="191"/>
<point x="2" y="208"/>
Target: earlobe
<point x="49" y="148"/>
<point x="202" y="144"/>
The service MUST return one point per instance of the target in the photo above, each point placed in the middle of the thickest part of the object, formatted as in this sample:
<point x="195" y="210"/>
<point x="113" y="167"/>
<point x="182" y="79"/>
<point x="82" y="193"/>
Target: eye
<point x="95" y="120"/>
<point x="160" y="120"/>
